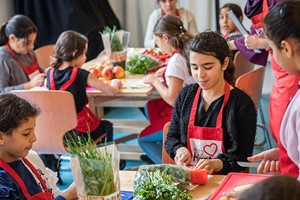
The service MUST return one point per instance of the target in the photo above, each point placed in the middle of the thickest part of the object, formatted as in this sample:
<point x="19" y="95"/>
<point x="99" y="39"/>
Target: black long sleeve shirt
<point x="238" y="123"/>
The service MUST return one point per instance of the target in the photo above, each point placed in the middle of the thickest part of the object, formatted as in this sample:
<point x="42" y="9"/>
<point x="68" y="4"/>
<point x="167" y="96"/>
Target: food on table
<point x="165" y="181"/>
<point x="156" y="53"/>
<point x="242" y="187"/>
<point x="141" y="64"/>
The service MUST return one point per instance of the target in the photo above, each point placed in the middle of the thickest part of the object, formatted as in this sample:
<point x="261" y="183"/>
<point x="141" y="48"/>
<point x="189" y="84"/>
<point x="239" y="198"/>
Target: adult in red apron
<point x="206" y="142"/>
<point x="86" y="120"/>
<point x="46" y="195"/>
<point x="31" y="70"/>
<point x="283" y="89"/>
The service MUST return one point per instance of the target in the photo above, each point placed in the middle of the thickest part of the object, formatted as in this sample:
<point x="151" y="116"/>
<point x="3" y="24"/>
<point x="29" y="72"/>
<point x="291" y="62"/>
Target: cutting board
<point x="233" y="180"/>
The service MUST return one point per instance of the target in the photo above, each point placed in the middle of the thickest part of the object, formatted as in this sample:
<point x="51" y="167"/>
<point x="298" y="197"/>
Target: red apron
<point x="86" y="120"/>
<point x="160" y="112"/>
<point x="257" y="20"/>
<point x="31" y="70"/>
<point x="46" y="195"/>
<point x="206" y="142"/>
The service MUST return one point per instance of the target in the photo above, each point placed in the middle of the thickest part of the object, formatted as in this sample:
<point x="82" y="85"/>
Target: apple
<point x="107" y="73"/>
<point x="95" y="71"/>
<point x="100" y="68"/>
<point x="118" y="71"/>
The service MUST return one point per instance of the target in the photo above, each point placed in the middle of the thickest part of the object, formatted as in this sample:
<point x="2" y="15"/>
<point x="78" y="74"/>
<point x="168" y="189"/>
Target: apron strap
<point x="67" y="84"/>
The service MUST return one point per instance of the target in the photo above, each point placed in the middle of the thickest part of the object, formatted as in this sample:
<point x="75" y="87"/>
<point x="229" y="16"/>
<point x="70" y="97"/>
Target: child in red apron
<point x="213" y="124"/>
<point x="19" y="67"/>
<point x="19" y="178"/>
<point x="66" y="74"/>
<point x="282" y="28"/>
<point x="172" y="38"/>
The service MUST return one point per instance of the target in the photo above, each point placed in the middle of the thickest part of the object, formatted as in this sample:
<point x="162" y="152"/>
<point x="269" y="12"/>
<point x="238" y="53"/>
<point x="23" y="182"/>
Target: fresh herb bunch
<point x="96" y="166"/>
<point x="157" y="185"/>
<point x="115" y="42"/>
<point x="141" y="64"/>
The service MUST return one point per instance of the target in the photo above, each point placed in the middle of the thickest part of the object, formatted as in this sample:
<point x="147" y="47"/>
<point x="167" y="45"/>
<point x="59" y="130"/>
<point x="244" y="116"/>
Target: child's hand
<point x="38" y="80"/>
<point x="160" y="72"/>
<point x="182" y="156"/>
<point x="150" y="79"/>
<point x="116" y="83"/>
<point x="210" y="165"/>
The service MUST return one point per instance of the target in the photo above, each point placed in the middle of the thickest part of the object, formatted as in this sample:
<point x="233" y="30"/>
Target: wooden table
<point x="134" y="93"/>
<point x="200" y="192"/>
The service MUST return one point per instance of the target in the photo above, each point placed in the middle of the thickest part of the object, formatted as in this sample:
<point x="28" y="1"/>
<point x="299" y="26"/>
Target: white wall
<point x="7" y="10"/>
<point x="133" y="15"/>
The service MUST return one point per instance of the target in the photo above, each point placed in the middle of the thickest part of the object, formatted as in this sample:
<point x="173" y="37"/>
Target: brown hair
<point x="67" y="43"/>
<point x="173" y="27"/>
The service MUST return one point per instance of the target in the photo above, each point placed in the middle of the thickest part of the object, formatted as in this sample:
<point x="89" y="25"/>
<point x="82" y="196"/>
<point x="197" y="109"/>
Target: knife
<point x="248" y="164"/>
<point x="239" y="26"/>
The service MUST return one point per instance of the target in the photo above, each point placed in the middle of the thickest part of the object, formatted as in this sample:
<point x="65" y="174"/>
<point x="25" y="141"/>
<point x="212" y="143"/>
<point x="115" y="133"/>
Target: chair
<point x="166" y="159"/>
<point x="58" y="115"/>
<point x="43" y="55"/>
<point x="252" y="83"/>
<point x="242" y="65"/>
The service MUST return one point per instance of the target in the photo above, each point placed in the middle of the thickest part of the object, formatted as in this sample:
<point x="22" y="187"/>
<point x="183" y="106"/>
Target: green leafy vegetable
<point x="96" y="166"/>
<point x="141" y="64"/>
<point x="161" y="182"/>
<point x="114" y="39"/>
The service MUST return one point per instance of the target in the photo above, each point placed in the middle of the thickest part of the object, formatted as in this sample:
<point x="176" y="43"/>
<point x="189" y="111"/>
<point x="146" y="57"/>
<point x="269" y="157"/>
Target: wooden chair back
<point x="252" y="84"/>
<point x="242" y="65"/>
<point x="43" y="55"/>
<point x="58" y="115"/>
<point x="166" y="159"/>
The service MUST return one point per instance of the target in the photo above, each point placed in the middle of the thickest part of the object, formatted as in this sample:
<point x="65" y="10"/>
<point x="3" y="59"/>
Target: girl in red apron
<point x="172" y="38"/>
<point x="213" y="124"/>
<point x="282" y="26"/>
<point x="69" y="52"/>
<point x="19" y="178"/>
<point x="19" y="67"/>
<point x="284" y="86"/>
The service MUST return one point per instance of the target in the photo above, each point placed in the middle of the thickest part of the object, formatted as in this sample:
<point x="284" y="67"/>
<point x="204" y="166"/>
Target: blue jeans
<point x="152" y="146"/>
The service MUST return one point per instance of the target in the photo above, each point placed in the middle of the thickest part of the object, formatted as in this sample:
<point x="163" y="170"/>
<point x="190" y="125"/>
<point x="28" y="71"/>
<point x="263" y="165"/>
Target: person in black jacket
<point x="213" y="123"/>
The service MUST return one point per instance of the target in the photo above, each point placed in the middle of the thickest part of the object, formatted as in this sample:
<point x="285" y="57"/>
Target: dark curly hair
<point x="213" y="44"/>
<point x="14" y="111"/>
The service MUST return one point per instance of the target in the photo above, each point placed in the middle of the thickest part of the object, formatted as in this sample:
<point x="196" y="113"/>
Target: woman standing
<point x="168" y="7"/>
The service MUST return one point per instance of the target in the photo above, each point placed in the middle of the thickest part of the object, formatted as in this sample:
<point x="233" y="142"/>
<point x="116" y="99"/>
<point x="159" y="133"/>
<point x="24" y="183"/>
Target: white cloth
<point x="290" y="130"/>
<point x="177" y="67"/>
<point x="48" y="175"/>
<point x="186" y="17"/>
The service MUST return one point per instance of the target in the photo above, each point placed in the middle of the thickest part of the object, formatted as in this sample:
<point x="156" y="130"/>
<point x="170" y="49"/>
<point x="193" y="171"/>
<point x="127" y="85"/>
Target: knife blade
<point x="248" y="164"/>
<point x="239" y="26"/>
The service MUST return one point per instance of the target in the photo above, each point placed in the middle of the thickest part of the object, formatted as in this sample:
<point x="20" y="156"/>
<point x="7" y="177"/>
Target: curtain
<point x="52" y="17"/>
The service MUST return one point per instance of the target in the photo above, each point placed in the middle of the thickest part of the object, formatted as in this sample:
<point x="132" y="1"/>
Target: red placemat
<point x="233" y="180"/>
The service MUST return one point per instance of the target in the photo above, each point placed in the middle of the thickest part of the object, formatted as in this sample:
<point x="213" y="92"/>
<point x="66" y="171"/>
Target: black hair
<point x="275" y="187"/>
<point x="173" y="27"/>
<point x="19" y="25"/>
<point x="282" y="22"/>
<point x="14" y="111"/>
<point x="236" y="9"/>
<point x="213" y="44"/>
<point x="67" y="43"/>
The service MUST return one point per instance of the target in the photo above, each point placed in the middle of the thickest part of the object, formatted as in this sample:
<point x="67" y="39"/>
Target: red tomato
<point x="198" y="176"/>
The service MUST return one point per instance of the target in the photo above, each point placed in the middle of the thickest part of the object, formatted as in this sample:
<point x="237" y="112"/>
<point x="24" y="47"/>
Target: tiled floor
<point x="136" y="114"/>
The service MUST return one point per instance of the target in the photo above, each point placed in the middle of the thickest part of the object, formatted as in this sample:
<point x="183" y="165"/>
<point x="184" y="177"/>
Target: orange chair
<point x="58" y="115"/>
<point x="242" y="65"/>
<point x="43" y="55"/>
<point x="166" y="159"/>
<point x="252" y="83"/>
